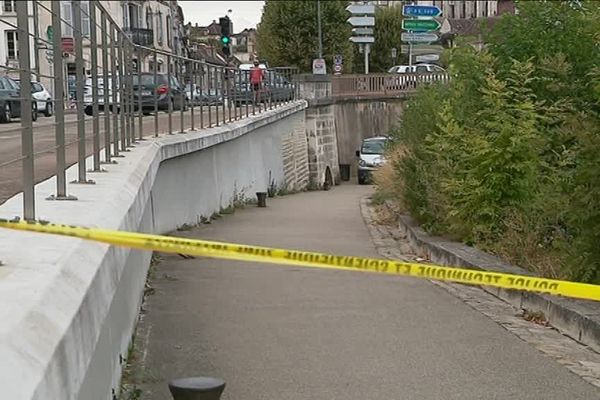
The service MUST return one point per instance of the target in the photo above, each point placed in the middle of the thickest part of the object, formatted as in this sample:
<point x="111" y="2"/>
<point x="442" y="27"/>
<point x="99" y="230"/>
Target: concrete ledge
<point x="578" y="319"/>
<point x="69" y="306"/>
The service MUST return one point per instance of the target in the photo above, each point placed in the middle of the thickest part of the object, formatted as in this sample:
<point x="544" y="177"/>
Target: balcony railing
<point x="140" y="36"/>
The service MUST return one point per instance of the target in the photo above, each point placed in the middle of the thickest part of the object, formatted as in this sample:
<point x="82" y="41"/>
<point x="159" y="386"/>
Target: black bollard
<point x="262" y="199"/>
<point x="199" y="388"/>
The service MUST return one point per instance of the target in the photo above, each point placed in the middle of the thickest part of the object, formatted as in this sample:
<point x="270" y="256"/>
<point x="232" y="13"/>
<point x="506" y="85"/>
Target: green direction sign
<point x="420" y="25"/>
<point x="50" y="33"/>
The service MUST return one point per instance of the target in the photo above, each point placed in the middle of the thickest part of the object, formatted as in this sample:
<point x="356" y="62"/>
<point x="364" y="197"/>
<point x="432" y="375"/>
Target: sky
<point x="244" y="14"/>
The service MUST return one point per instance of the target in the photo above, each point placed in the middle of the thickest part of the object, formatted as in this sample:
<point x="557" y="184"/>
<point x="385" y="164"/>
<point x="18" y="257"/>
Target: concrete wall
<point x="69" y="306"/>
<point x="359" y="119"/>
<point x="336" y="126"/>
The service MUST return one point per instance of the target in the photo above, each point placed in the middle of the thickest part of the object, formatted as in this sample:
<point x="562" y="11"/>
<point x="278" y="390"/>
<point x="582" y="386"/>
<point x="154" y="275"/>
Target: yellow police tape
<point x="310" y="259"/>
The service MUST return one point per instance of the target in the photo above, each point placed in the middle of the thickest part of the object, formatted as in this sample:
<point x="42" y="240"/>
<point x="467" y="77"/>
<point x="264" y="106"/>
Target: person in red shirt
<point x="257" y="76"/>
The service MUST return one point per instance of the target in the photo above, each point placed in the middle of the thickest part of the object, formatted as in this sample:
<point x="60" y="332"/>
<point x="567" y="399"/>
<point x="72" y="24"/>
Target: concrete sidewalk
<point x="281" y="333"/>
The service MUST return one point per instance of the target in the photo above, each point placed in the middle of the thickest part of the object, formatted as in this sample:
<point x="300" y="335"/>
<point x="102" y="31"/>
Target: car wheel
<point x="6" y="115"/>
<point x="361" y="180"/>
<point x="49" y="109"/>
<point x="89" y="111"/>
<point x="185" y="104"/>
<point x="34" y="112"/>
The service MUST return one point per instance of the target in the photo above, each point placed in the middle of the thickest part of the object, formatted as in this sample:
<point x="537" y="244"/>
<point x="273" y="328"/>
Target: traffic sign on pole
<point x="421" y="11"/>
<point x="361" y="21"/>
<point x="362" y="39"/>
<point x="361" y="9"/>
<point x="362" y="31"/>
<point x="415" y="37"/>
<point x="420" y="25"/>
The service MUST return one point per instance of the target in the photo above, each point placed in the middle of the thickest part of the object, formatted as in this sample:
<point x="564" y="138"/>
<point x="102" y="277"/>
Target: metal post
<point x="270" y="75"/>
<point x="197" y="388"/>
<point x="155" y="94"/>
<point x="191" y="69"/>
<point x="59" y="102"/>
<point x="234" y="93"/>
<point x="182" y="105"/>
<point x="216" y="85"/>
<point x="208" y="86"/>
<point x="319" y="29"/>
<point x="36" y="34"/>
<point x="367" y="50"/>
<point x="247" y="88"/>
<point x="105" y="87"/>
<point x="114" y="81"/>
<point x="122" y="96"/>
<point x="229" y="75"/>
<point x="139" y="94"/>
<point x="410" y="50"/>
<point x="170" y="103"/>
<point x="224" y="93"/>
<point x="26" y="112"/>
<point x="80" y="82"/>
<point x="95" y="106"/>
<point x="201" y="94"/>
<point x="130" y="100"/>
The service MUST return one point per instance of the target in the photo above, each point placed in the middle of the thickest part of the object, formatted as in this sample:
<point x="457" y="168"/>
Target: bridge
<point x="70" y="307"/>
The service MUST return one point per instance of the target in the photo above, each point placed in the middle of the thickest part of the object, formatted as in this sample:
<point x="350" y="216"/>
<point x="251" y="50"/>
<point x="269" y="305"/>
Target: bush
<point x="507" y="156"/>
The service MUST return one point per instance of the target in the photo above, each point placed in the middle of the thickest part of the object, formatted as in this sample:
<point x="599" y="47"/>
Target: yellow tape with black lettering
<point x="311" y="259"/>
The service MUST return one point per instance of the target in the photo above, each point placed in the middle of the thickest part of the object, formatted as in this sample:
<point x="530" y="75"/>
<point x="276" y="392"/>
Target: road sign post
<point x="363" y="21"/>
<point x="421" y="27"/>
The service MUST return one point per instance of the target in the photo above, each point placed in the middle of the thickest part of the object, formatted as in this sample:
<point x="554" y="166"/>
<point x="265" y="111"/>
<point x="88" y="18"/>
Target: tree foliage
<point x="507" y="155"/>
<point x="288" y="35"/>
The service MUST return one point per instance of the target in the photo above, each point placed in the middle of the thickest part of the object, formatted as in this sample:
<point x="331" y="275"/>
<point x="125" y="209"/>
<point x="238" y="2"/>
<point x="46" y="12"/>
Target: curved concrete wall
<point x="68" y="307"/>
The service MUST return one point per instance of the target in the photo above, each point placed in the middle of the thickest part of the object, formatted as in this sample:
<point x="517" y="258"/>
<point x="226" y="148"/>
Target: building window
<point x="475" y="9"/>
<point x="131" y="15"/>
<point x="464" y="10"/>
<point x="149" y="19"/>
<point x="169" y="43"/>
<point x="12" y="45"/>
<point x="159" y="25"/>
<point x="451" y="13"/>
<point x="66" y="14"/>
<point x="9" y="6"/>
<point x="85" y="18"/>
<point x="487" y="9"/>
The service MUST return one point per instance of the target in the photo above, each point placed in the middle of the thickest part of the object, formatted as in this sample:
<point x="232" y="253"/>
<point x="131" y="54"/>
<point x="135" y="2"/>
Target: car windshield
<point x="373" y="146"/>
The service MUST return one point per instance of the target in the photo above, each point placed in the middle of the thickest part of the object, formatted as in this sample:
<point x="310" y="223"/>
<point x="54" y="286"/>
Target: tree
<point x="287" y="34"/>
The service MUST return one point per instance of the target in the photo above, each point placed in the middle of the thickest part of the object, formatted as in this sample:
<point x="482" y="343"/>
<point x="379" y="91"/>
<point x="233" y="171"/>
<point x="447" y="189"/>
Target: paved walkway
<point x="281" y="333"/>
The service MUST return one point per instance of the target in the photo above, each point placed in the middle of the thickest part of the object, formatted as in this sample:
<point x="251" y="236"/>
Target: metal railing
<point x="382" y="85"/>
<point x="108" y="91"/>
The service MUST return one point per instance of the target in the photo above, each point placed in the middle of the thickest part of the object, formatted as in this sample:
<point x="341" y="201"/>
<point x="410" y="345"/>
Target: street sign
<point x="421" y="11"/>
<point x="337" y="69"/>
<point x="319" y="67"/>
<point x="418" y="37"/>
<point x="361" y="21"/>
<point x="361" y="9"/>
<point x="362" y="39"/>
<point x="420" y="25"/>
<point x="338" y="59"/>
<point x="394" y="52"/>
<point x="362" y="31"/>
<point x="427" y="57"/>
<point x="50" y="33"/>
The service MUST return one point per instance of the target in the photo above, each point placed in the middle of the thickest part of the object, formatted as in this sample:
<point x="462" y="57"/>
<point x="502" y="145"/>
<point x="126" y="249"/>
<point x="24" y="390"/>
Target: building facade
<point x="459" y="9"/>
<point x="153" y="24"/>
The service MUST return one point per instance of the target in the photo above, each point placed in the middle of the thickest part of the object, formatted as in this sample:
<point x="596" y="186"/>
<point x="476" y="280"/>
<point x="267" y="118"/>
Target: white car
<point x="43" y="99"/>
<point x="416" y="68"/>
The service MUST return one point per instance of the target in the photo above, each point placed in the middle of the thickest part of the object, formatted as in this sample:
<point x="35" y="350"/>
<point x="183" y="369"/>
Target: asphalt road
<point x="278" y="333"/>
<point x="44" y="143"/>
